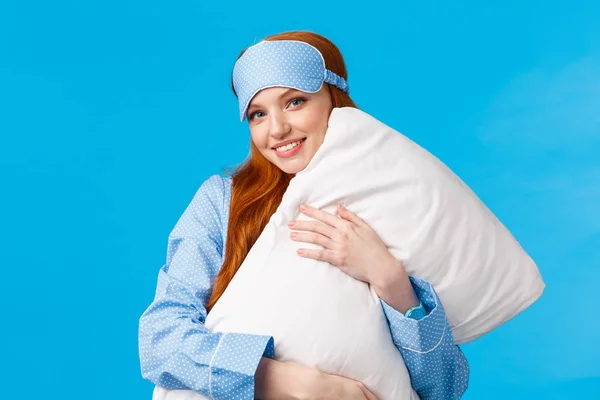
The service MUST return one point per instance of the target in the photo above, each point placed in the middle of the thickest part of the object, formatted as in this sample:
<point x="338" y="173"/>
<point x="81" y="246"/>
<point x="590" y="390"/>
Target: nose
<point x="278" y="125"/>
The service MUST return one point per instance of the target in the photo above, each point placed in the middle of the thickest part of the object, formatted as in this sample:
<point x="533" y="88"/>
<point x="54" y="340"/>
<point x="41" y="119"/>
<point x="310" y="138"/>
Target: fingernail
<point x="303" y="206"/>
<point x="291" y="223"/>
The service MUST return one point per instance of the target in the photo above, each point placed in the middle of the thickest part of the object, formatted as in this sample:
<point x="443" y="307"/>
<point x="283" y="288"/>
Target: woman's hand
<point x="334" y="387"/>
<point x="276" y="380"/>
<point x="349" y="243"/>
<point x="353" y="246"/>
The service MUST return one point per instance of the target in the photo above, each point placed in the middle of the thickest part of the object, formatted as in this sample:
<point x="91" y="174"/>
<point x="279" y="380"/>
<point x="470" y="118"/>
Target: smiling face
<point x="288" y="126"/>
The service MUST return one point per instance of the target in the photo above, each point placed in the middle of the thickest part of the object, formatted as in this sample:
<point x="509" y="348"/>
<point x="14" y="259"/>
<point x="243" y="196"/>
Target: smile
<point x="290" y="149"/>
<point x="290" y="145"/>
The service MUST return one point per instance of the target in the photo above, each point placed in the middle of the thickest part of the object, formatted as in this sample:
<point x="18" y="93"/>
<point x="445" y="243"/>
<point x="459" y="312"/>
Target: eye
<point x="297" y="101"/>
<point x="254" y="115"/>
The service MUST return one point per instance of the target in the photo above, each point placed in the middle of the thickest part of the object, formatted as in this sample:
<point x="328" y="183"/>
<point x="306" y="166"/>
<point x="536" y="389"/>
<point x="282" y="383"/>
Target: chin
<point x="292" y="169"/>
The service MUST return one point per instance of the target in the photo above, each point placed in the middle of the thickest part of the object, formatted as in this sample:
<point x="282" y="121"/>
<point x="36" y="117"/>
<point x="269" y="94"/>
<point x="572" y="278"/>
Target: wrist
<point x="387" y="275"/>
<point x="277" y="380"/>
<point x="267" y="380"/>
<point x="393" y="286"/>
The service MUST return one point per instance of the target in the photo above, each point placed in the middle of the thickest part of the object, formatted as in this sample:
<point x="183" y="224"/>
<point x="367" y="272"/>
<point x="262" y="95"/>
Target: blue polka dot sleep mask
<point x="281" y="63"/>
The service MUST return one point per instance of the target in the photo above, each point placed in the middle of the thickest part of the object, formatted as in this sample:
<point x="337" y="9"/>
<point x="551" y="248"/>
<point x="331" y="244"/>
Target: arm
<point x="438" y="368"/>
<point x="176" y="350"/>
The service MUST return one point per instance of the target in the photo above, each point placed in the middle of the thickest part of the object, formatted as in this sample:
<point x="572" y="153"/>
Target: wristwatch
<point x="417" y="312"/>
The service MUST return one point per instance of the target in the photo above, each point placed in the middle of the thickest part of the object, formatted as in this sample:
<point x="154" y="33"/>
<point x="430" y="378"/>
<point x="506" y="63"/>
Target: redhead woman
<point x="286" y="87"/>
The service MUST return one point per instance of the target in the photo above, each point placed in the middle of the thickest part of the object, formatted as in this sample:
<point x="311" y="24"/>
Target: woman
<point x="287" y="112"/>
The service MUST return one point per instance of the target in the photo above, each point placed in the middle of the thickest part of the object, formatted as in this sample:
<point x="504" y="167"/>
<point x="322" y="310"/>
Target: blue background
<point x="112" y="113"/>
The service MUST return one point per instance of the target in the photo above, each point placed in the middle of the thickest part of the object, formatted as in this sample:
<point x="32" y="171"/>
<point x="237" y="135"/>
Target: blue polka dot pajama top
<point x="177" y="351"/>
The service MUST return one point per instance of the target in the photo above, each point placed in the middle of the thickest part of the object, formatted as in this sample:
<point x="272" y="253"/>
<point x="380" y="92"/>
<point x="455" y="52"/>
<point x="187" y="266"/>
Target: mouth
<point x="289" y="146"/>
<point x="289" y="149"/>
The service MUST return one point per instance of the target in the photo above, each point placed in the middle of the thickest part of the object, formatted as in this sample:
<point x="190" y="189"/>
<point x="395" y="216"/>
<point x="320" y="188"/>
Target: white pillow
<point x="429" y="219"/>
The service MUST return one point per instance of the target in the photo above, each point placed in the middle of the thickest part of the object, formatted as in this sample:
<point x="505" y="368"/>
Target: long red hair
<point x="258" y="185"/>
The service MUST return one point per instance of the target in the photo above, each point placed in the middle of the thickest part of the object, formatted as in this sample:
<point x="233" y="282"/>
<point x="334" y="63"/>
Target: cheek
<point x="319" y="125"/>
<point x="314" y="122"/>
<point x="259" y="139"/>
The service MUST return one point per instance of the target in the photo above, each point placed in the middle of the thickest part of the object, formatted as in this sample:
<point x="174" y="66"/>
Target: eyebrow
<point x="257" y="105"/>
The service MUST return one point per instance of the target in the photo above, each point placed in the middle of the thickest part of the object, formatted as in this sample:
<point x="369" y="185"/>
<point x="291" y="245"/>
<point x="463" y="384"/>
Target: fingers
<point x="312" y="237"/>
<point x="313" y="226"/>
<point x="321" y="255"/>
<point x="350" y="216"/>
<point x="322" y="216"/>
<point x="367" y="393"/>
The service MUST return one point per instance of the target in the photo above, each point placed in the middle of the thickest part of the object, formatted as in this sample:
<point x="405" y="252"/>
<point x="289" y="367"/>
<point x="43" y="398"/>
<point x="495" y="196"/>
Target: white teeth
<point x="288" y="146"/>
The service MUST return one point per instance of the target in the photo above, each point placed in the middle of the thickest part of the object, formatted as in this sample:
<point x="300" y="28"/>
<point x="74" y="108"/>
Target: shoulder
<point x="211" y="200"/>
<point x="207" y="212"/>
<point x="214" y="187"/>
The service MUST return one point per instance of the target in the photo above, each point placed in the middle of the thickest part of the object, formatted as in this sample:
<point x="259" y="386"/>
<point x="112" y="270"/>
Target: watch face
<point x="420" y="313"/>
<point x="416" y="312"/>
